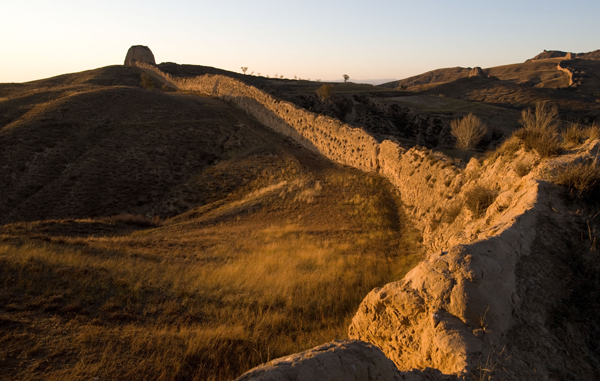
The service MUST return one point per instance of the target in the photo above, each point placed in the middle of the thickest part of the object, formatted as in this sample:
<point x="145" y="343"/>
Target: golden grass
<point x="468" y="132"/>
<point x="540" y="130"/>
<point x="580" y="178"/>
<point x="202" y="299"/>
<point x="479" y="198"/>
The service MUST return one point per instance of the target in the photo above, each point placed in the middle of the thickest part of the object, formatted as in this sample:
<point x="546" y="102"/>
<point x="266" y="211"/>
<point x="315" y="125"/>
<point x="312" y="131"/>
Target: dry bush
<point x="581" y="178"/>
<point x="593" y="132"/>
<point x="522" y="168"/>
<point x="573" y="136"/>
<point x="450" y="212"/>
<point x="507" y="148"/>
<point x="468" y="132"/>
<point x="540" y="130"/>
<point x="543" y="118"/>
<point x="479" y="198"/>
<point x="324" y="92"/>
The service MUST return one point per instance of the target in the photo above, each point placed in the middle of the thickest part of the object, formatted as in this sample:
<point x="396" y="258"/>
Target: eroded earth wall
<point x="459" y="302"/>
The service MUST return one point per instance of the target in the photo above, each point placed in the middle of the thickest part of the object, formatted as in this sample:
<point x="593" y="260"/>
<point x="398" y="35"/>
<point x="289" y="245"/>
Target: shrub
<point x="593" y="132"/>
<point x="522" y="169"/>
<point x="581" y="178"/>
<point x="146" y="81"/>
<point x="540" y="130"/>
<point x="450" y="212"/>
<point x="544" y="118"/>
<point x="324" y="92"/>
<point x="468" y="131"/>
<point x="573" y="136"/>
<point x="479" y="198"/>
<point x="507" y="148"/>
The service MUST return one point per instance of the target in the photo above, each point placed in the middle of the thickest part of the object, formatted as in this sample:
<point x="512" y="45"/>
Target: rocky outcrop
<point x="139" y="53"/>
<point x="339" y="360"/>
<point x="477" y="72"/>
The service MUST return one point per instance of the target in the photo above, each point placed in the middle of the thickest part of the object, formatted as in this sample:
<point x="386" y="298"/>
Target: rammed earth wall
<point x="432" y="317"/>
<point x="337" y="141"/>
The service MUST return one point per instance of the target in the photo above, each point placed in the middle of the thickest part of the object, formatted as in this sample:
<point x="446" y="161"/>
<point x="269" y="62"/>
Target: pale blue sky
<point x="311" y="39"/>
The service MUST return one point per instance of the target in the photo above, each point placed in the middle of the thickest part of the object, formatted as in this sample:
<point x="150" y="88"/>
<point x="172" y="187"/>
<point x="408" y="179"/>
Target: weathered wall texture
<point x="458" y="303"/>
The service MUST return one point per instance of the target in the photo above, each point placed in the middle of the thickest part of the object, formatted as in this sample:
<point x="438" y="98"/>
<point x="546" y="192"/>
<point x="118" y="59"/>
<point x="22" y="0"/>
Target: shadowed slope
<point x="97" y="151"/>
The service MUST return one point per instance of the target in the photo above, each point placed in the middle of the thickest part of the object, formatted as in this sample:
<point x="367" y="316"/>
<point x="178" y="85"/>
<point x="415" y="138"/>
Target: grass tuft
<point x="540" y="130"/>
<point x="522" y="169"/>
<point x="580" y="178"/>
<point x="479" y="198"/>
<point x="573" y="136"/>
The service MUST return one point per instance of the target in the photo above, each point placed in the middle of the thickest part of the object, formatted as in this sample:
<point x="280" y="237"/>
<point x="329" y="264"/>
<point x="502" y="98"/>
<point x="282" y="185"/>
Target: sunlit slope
<point x="159" y="235"/>
<point x="536" y="74"/>
<point x="573" y="88"/>
<point x="276" y="267"/>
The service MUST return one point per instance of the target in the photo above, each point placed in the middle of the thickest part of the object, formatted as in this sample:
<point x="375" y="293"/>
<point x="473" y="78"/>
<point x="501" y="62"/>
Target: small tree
<point x="324" y="92"/>
<point x="244" y="69"/>
<point x="346" y="77"/>
<point x="468" y="131"/>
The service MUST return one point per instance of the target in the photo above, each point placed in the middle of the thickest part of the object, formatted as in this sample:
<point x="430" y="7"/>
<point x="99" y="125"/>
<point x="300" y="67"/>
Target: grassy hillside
<point x="273" y="270"/>
<point x="538" y="74"/>
<point x="517" y="86"/>
<point x="158" y="235"/>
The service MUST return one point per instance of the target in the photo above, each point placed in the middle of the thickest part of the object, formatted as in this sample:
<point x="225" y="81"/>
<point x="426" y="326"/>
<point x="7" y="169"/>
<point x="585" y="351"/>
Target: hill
<point x="569" y="83"/>
<point x="142" y="223"/>
<point x="182" y="222"/>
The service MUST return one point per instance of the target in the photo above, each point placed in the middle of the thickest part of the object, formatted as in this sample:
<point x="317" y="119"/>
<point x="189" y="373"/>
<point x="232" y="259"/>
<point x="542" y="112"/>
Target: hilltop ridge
<point x="550" y="54"/>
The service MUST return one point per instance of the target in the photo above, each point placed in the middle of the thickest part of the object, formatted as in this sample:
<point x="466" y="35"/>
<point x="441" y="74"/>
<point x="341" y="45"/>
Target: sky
<point x="310" y="39"/>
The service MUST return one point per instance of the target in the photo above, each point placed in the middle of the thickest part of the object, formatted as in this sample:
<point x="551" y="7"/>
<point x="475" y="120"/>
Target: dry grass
<point x="450" y="213"/>
<point x="540" y="130"/>
<point x="593" y="132"/>
<point x="576" y="134"/>
<point x="522" y="168"/>
<point x="573" y="136"/>
<point x="508" y="148"/>
<point x="580" y="178"/>
<point x="479" y="198"/>
<point x="204" y="297"/>
<point x="468" y="132"/>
